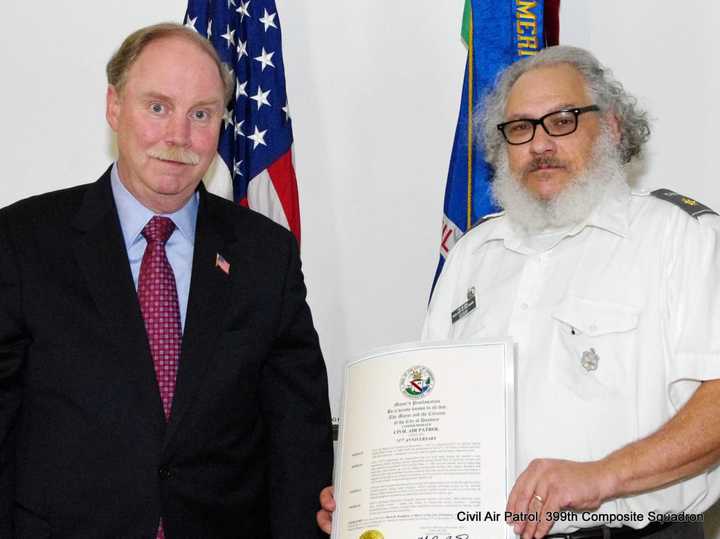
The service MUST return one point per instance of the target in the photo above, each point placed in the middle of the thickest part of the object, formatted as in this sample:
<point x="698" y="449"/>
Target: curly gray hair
<point x="605" y="91"/>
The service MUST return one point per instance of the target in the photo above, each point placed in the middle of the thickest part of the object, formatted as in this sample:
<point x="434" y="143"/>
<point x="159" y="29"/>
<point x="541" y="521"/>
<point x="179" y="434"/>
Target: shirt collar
<point x="613" y="212"/>
<point x="134" y="216"/>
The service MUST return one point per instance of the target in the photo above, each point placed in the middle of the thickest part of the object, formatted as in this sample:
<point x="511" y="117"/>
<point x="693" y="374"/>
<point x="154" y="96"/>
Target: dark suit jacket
<point x="85" y="450"/>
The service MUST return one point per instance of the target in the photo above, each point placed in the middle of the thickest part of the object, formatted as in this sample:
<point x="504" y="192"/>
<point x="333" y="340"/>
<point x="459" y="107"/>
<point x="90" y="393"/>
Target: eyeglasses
<point x="556" y="124"/>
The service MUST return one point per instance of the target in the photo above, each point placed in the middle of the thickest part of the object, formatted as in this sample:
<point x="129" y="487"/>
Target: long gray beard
<point x="603" y="177"/>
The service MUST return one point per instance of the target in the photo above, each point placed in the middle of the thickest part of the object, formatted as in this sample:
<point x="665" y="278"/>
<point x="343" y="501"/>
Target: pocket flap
<point x="594" y="317"/>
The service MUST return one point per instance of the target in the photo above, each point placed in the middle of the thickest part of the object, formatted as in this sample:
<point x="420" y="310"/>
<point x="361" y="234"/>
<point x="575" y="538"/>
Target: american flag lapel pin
<point x="223" y="264"/>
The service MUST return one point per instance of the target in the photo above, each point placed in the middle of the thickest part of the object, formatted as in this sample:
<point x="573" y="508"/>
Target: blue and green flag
<point x="496" y="33"/>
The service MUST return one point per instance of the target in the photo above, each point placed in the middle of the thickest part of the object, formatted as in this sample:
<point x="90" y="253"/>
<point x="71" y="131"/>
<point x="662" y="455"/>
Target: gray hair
<point x="119" y="65"/>
<point x="605" y="91"/>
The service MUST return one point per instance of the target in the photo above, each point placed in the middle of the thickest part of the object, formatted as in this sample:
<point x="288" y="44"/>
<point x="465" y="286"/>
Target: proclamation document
<point x="426" y="443"/>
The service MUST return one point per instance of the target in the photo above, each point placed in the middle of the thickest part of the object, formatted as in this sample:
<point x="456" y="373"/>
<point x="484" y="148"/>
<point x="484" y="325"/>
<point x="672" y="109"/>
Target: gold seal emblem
<point x="689" y="201"/>
<point x="372" y="534"/>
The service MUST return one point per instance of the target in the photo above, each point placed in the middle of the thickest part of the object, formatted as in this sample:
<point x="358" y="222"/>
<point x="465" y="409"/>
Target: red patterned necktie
<point x="159" y="305"/>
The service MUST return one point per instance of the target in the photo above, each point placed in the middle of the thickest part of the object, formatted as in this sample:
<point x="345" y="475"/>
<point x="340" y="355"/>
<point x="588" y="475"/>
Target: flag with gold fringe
<point x="496" y="33"/>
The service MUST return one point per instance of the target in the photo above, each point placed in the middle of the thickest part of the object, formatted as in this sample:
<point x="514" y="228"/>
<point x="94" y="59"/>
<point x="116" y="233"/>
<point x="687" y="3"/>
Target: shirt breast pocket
<point x="594" y="345"/>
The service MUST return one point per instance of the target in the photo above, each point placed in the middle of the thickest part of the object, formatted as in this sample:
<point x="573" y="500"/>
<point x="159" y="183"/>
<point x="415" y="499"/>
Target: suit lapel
<point x="208" y="304"/>
<point x="102" y="258"/>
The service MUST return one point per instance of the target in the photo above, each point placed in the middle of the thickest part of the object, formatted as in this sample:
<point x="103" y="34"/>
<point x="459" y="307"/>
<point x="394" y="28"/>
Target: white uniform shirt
<point x="638" y="287"/>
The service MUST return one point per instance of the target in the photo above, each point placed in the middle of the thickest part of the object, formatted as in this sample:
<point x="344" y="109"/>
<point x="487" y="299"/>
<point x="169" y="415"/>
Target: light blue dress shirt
<point x="179" y="247"/>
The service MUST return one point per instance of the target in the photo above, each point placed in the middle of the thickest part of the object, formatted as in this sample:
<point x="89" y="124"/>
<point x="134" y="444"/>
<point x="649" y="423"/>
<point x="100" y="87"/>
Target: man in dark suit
<point x="159" y="371"/>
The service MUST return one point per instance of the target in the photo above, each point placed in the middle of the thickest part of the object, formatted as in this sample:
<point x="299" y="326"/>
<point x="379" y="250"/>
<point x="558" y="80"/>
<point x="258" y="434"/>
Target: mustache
<point x="542" y="162"/>
<point x="174" y="153"/>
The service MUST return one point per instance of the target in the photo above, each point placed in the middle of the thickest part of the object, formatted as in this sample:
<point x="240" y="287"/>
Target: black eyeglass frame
<point x="577" y="111"/>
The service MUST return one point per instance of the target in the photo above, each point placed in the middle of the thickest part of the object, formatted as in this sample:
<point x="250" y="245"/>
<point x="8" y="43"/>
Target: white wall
<point x="666" y="55"/>
<point x="374" y="91"/>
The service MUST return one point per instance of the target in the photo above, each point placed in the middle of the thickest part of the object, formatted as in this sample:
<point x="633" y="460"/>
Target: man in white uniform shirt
<point x="612" y="298"/>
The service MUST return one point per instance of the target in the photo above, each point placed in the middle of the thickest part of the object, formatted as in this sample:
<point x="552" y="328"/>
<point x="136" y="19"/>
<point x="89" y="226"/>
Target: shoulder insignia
<point x="486" y="218"/>
<point x="689" y="205"/>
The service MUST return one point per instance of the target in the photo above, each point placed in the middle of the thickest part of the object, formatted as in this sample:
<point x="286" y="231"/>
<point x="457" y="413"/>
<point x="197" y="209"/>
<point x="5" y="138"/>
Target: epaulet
<point x="689" y="205"/>
<point x="486" y="218"/>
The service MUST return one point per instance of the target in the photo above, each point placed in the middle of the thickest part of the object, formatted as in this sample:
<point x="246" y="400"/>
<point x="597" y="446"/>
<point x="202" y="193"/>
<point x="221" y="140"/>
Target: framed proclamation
<point x="426" y="443"/>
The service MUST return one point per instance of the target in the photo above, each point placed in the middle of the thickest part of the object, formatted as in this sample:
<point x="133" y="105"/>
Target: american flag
<point x="223" y="264"/>
<point x="256" y="135"/>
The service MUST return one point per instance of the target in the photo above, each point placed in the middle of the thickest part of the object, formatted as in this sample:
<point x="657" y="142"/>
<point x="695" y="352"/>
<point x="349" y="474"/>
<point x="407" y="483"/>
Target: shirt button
<point x="524" y="306"/>
<point x="165" y="472"/>
<point x="593" y="328"/>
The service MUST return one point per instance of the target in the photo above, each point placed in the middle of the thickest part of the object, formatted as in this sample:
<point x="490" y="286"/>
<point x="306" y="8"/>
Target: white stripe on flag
<point x="217" y="179"/>
<point x="263" y="198"/>
<point x="451" y="233"/>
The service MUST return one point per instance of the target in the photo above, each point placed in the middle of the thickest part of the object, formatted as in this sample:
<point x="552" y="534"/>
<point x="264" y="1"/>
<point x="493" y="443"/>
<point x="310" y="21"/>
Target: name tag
<point x="466" y="308"/>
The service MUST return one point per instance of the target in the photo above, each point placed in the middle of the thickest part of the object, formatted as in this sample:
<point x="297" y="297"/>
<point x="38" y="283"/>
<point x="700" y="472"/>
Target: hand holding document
<point x="427" y="443"/>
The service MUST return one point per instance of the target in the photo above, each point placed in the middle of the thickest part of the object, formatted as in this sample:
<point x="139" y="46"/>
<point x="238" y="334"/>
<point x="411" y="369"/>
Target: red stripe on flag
<point x="282" y="175"/>
<point x="551" y="17"/>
